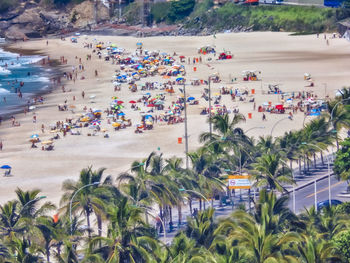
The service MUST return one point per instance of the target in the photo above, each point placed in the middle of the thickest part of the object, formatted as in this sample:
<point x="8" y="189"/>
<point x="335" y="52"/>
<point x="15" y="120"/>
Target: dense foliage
<point x="274" y="18"/>
<point x="7" y="4"/>
<point x="342" y="161"/>
<point x="106" y="219"/>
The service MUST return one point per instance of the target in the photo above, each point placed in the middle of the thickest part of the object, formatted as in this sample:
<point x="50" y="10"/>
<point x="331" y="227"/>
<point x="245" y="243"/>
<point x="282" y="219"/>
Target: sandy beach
<point x="281" y="58"/>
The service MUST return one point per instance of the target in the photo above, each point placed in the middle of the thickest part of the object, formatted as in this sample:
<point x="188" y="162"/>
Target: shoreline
<point x="54" y="66"/>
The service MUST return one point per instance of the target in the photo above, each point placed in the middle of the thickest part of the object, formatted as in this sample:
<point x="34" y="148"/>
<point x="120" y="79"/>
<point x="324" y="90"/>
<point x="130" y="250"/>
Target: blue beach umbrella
<point x="34" y="136"/>
<point x="191" y="98"/>
<point x="179" y="79"/>
<point x="5" y="167"/>
<point x="121" y="114"/>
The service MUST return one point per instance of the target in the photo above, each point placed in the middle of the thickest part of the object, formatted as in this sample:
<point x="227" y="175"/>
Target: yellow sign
<point x="239" y="182"/>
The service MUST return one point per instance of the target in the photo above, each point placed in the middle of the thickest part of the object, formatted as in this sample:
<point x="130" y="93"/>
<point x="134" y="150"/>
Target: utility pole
<point x="186" y="135"/>
<point x="210" y="128"/>
<point x="120" y="11"/>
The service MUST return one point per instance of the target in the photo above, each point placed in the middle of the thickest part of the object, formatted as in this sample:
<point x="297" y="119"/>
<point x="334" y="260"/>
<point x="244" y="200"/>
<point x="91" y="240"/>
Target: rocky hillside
<point x="31" y="20"/>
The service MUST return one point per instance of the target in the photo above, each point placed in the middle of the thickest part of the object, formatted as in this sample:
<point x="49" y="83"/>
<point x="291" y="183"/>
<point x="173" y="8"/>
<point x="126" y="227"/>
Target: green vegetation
<point x="160" y="11"/>
<point x="342" y="161"/>
<point x="274" y="18"/>
<point x="7" y="4"/>
<point x="106" y="219"/>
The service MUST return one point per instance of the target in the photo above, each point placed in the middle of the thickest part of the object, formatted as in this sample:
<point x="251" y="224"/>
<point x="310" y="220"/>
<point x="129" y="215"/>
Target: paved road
<point x="304" y="194"/>
<point x="305" y="197"/>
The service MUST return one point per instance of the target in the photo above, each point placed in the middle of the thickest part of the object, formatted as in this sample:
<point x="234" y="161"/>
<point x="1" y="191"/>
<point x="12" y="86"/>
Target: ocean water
<point x="15" y="69"/>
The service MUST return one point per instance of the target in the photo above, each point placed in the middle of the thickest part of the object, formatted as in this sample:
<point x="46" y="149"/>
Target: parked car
<point x="325" y="203"/>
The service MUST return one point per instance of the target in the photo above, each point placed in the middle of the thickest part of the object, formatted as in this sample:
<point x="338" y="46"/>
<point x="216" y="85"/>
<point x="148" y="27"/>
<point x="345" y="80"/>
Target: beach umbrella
<point x="31" y="108"/>
<point x="132" y="101"/>
<point x="34" y="136"/>
<point x="120" y="102"/>
<point x="179" y="79"/>
<point x="116" y="124"/>
<point x="92" y="96"/>
<point x="159" y="102"/>
<point x="121" y="114"/>
<point x="6" y="166"/>
<point x="190" y="98"/>
<point x="150" y="105"/>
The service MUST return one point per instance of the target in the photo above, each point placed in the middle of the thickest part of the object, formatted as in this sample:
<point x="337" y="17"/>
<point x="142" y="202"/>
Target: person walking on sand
<point x="1" y="145"/>
<point x="264" y="117"/>
<point x="42" y="128"/>
<point x="83" y="94"/>
<point x="96" y="73"/>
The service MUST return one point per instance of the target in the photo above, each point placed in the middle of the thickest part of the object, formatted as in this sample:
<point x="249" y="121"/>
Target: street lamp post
<point x="210" y="127"/>
<point x="336" y="106"/>
<point x="329" y="172"/>
<point x="258" y="127"/>
<point x="71" y="201"/>
<point x="273" y="127"/>
<point x="31" y="201"/>
<point x="186" y="134"/>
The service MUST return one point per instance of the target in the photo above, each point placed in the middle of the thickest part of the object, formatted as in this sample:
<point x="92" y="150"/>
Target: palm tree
<point x="269" y="171"/>
<point x="28" y="204"/>
<point x="340" y="117"/>
<point x="10" y="224"/>
<point x="274" y="212"/>
<point x="181" y="178"/>
<point x="224" y="127"/>
<point x="259" y="242"/>
<point x="149" y="184"/>
<point x="91" y="199"/>
<point x="201" y="228"/>
<point x="23" y="251"/>
<point x="69" y="254"/>
<point x="206" y="171"/>
<point x="129" y="238"/>
<point x="317" y="250"/>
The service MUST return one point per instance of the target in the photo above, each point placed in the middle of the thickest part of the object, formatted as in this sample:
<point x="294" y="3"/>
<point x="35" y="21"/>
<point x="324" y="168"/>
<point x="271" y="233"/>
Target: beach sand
<point x="282" y="59"/>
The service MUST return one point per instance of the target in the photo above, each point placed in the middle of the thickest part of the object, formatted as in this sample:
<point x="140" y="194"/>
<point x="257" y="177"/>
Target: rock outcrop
<point x="30" y="20"/>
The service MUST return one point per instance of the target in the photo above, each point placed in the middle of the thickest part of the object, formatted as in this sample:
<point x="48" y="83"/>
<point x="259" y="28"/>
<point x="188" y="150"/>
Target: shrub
<point x="180" y="9"/>
<point x="160" y="11"/>
<point x="7" y="4"/>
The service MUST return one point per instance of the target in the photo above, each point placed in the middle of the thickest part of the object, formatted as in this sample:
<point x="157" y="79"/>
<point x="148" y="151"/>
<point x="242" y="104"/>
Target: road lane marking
<point x="324" y="189"/>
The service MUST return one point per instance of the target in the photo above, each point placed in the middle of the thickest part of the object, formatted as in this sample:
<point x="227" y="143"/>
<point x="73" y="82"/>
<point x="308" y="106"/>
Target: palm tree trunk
<point x="47" y="252"/>
<point x="299" y="162"/>
<point x="315" y="160"/>
<point x="179" y="213"/>
<point x="59" y="249"/>
<point x="170" y="215"/>
<point x="190" y="205"/>
<point x="88" y="223"/>
<point x="304" y="164"/>
<point x="200" y="204"/>
<point x="322" y="158"/>
<point x="337" y="141"/>
<point x="308" y="163"/>
<point x="99" y="225"/>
